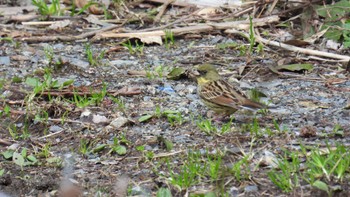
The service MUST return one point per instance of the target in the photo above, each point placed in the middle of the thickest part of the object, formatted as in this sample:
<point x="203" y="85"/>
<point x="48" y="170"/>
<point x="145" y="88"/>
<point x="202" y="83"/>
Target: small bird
<point x="220" y="96"/>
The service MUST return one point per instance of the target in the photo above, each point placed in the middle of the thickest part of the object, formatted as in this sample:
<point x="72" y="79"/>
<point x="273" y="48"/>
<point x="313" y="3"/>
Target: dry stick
<point x="177" y="3"/>
<point x="66" y="38"/>
<point x="288" y="47"/>
<point x="270" y="9"/>
<point x="167" y="25"/>
<point x="194" y="29"/>
<point x="162" y="10"/>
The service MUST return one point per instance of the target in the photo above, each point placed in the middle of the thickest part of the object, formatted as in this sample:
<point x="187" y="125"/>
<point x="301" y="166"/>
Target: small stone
<point x="4" y="60"/>
<point x="85" y="114"/>
<point x="192" y="89"/>
<point x="234" y="191"/>
<point x="99" y="119"/>
<point x="119" y="122"/>
<point x="55" y="128"/>
<point x="251" y="188"/>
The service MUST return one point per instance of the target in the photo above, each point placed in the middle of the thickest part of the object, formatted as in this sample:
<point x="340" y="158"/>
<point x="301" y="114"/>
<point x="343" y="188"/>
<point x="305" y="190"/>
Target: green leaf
<point x="145" y="118"/>
<point x="68" y="82"/>
<point x="54" y="160"/>
<point x="164" y="192"/>
<point x="168" y="111"/>
<point x="168" y="144"/>
<point x="34" y="82"/>
<point x="32" y="158"/>
<point x="8" y="154"/>
<point x="18" y="159"/>
<point x="210" y="194"/>
<point x="176" y="73"/>
<point x="335" y="11"/>
<point x="296" y="67"/>
<point x="333" y="32"/>
<point x="321" y="185"/>
<point x="120" y="150"/>
<point x="24" y="153"/>
<point x="140" y="148"/>
<point x="99" y="148"/>
<point x="2" y="171"/>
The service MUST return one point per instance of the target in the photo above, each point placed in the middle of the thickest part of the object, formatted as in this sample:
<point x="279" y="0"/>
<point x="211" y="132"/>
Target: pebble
<point x="119" y="122"/>
<point x="251" y="188"/>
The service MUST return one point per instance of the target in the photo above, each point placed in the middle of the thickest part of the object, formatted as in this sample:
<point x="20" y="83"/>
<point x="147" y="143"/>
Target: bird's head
<point x="206" y="73"/>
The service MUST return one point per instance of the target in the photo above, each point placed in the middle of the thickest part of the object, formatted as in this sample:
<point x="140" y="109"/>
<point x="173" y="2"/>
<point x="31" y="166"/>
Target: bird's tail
<point x="252" y="105"/>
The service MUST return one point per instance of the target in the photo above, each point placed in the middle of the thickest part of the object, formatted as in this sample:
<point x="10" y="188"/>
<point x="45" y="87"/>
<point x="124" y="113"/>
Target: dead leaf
<point x="207" y="12"/>
<point x="308" y="104"/>
<point x="127" y="91"/>
<point x="20" y="58"/>
<point x="176" y="73"/>
<point x="60" y="24"/>
<point x="23" y="17"/>
<point x="295" y="67"/>
<point x="308" y="131"/>
<point x="121" y="186"/>
<point x="93" y="9"/>
<point x="151" y="39"/>
<point x="298" y="43"/>
<point x="93" y="19"/>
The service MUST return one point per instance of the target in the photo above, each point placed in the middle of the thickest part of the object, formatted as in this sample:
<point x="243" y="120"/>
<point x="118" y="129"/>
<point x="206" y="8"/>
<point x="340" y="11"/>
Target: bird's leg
<point x="218" y="117"/>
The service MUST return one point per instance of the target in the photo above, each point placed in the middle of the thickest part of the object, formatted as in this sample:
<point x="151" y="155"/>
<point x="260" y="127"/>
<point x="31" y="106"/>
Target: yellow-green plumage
<point x="220" y="96"/>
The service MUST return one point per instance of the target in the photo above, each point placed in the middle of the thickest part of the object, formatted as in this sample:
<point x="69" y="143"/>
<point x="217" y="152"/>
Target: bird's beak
<point x="193" y="73"/>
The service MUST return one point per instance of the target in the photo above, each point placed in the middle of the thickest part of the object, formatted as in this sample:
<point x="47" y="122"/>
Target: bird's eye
<point x="202" y="72"/>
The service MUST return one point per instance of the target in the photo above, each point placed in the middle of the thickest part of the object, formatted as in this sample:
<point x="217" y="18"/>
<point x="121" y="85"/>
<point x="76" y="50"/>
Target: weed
<point x="48" y="50"/>
<point x="6" y="111"/>
<point x="188" y="173"/>
<point x="169" y="39"/>
<point x="94" y="60"/>
<point x="336" y="29"/>
<point x="163" y="192"/>
<point x="333" y="163"/>
<point x="84" y="148"/>
<point x="287" y="178"/>
<point x="45" y="10"/>
<point x="214" y="166"/>
<point x="240" y="169"/>
<point x="251" y="36"/>
<point x="138" y="48"/>
<point x="95" y="99"/>
<point x="13" y="42"/>
<point x="45" y="151"/>
<point x="23" y="159"/>
<point x="13" y="131"/>
<point x="83" y="9"/>
<point x="206" y="126"/>
<point x="116" y="147"/>
<point x="158" y="71"/>
<point x="17" y="79"/>
<point x="173" y="117"/>
<point x="120" y="102"/>
<point x="228" y="45"/>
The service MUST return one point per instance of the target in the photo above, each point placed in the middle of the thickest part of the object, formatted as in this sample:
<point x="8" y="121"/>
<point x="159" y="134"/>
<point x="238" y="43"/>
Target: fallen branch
<point x="288" y="47"/>
<point x="162" y="10"/>
<point x="66" y="38"/>
<point x="194" y="29"/>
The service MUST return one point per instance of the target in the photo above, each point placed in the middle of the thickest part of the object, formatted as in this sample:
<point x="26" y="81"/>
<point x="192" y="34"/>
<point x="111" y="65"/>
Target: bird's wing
<point x="221" y="93"/>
